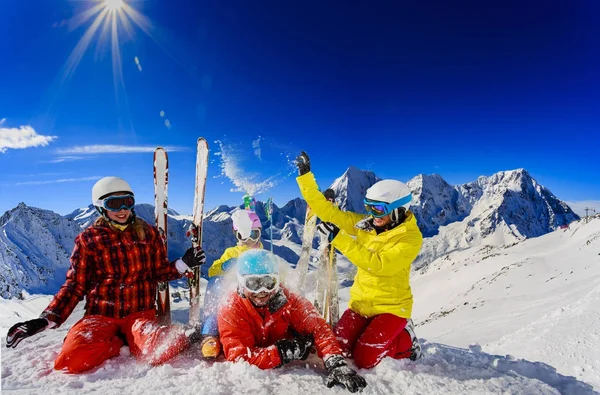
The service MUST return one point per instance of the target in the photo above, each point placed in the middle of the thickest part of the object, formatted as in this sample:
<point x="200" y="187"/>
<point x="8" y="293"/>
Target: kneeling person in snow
<point x="116" y="264"/>
<point x="268" y="326"/>
<point x="382" y="245"/>
<point x="247" y="229"/>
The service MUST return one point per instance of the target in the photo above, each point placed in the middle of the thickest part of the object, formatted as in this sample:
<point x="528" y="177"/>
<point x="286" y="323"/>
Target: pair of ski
<point x="326" y="295"/>
<point x="161" y="181"/>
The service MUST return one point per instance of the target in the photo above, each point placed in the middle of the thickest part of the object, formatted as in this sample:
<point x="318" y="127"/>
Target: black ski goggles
<point x="117" y="203"/>
<point x="257" y="283"/>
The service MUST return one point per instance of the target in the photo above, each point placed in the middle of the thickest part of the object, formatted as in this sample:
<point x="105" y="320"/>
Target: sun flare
<point x="114" y="5"/>
<point x="110" y="21"/>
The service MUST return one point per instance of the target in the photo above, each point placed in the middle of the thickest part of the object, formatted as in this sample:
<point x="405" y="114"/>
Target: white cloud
<point x="61" y="180"/>
<point x="256" y="146"/>
<point x="22" y="137"/>
<point x="66" y="159"/>
<point x="111" y="149"/>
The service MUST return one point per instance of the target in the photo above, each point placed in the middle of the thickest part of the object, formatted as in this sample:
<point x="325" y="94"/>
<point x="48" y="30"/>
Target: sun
<point x="114" y="5"/>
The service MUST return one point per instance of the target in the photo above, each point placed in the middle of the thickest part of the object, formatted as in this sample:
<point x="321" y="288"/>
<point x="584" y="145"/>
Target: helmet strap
<point x="397" y="216"/>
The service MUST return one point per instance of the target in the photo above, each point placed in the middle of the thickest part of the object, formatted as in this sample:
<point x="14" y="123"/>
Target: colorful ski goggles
<point x="254" y="235"/>
<point x="117" y="203"/>
<point x="257" y="283"/>
<point x="381" y="209"/>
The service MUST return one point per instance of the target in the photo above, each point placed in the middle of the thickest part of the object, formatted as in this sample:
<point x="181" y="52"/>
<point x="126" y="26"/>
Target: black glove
<point x="303" y="163"/>
<point x="25" y="329"/>
<point x="294" y="349"/>
<point x="194" y="257"/>
<point x="341" y="373"/>
<point x="328" y="230"/>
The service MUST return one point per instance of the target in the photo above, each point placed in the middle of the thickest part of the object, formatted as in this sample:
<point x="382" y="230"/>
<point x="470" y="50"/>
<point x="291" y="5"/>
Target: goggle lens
<point x="118" y="203"/>
<point x="259" y="283"/>
<point x="254" y="235"/>
<point x="376" y="210"/>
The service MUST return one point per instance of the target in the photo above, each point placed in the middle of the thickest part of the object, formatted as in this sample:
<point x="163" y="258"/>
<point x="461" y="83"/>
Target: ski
<point x="326" y="295"/>
<point x="269" y="213"/>
<point x="332" y="303"/>
<point x="161" y="183"/>
<point x="195" y="231"/>
<point x="310" y="225"/>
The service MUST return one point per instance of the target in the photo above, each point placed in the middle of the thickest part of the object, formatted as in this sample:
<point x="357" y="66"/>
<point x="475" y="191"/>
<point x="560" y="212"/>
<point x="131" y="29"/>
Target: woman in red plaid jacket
<point x="116" y="264"/>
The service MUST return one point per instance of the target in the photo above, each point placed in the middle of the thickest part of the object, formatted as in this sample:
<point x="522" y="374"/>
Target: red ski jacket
<point x="117" y="272"/>
<point x="249" y="333"/>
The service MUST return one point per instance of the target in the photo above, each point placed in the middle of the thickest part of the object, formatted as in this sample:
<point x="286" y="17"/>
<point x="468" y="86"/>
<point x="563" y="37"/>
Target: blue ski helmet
<point x="257" y="261"/>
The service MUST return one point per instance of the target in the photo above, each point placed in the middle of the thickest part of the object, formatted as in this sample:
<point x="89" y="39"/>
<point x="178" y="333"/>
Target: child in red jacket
<point x="266" y="325"/>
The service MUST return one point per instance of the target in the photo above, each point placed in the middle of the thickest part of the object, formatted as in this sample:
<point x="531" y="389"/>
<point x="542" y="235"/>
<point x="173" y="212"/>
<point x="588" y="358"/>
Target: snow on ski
<point x="161" y="181"/>
<point x="196" y="226"/>
<point x="326" y="295"/>
<point x="310" y="225"/>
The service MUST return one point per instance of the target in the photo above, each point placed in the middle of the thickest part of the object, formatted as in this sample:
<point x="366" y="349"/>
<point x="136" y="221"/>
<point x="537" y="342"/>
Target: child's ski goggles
<point x="254" y="235"/>
<point x="117" y="203"/>
<point x="381" y="209"/>
<point x="257" y="283"/>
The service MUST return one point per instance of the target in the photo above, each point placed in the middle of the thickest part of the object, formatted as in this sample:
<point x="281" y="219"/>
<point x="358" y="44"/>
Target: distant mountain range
<point x="504" y="208"/>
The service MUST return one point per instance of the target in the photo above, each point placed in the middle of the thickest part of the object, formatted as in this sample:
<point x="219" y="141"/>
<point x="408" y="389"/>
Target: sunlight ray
<point x="81" y="47"/>
<point x="84" y="16"/>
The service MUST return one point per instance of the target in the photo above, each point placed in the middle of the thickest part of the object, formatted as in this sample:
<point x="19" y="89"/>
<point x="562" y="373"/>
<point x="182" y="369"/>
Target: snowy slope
<point x="538" y="300"/>
<point x="445" y="369"/>
<point x="516" y="320"/>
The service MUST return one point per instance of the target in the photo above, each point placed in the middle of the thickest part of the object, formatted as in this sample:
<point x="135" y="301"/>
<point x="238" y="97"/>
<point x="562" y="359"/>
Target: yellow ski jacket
<point x="381" y="284"/>
<point x="221" y="265"/>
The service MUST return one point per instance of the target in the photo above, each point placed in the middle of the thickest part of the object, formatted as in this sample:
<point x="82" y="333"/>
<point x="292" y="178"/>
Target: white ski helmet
<point x="108" y="185"/>
<point x="244" y="221"/>
<point x="392" y="192"/>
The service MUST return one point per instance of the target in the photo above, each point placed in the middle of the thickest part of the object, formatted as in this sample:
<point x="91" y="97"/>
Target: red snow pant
<point x="370" y="339"/>
<point x="95" y="338"/>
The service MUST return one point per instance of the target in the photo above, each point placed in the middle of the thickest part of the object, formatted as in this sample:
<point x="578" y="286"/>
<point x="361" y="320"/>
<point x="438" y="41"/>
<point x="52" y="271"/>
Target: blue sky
<point x="461" y="89"/>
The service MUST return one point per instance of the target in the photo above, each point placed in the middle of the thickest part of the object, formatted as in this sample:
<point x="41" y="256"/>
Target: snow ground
<point x="523" y="319"/>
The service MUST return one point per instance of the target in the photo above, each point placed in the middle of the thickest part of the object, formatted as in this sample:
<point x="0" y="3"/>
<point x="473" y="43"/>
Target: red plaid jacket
<point x="116" y="271"/>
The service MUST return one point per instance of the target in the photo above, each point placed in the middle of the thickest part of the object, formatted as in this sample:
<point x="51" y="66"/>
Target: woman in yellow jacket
<point x="382" y="245"/>
<point x="247" y="229"/>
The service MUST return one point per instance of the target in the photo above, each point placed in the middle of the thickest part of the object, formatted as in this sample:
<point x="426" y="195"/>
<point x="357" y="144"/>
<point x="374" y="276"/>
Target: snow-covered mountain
<point x="501" y="209"/>
<point x="35" y="246"/>
<point x="437" y="203"/>
<point x="351" y="188"/>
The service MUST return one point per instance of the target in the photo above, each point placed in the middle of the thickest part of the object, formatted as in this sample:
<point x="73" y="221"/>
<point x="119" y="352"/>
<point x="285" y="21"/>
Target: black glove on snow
<point x="303" y="163"/>
<point x="341" y="373"/>
<point x="194" y="257"/>
<point x="294" y="349"/>
<point x="328" y="230"/>
<point x="25" y="329"/>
